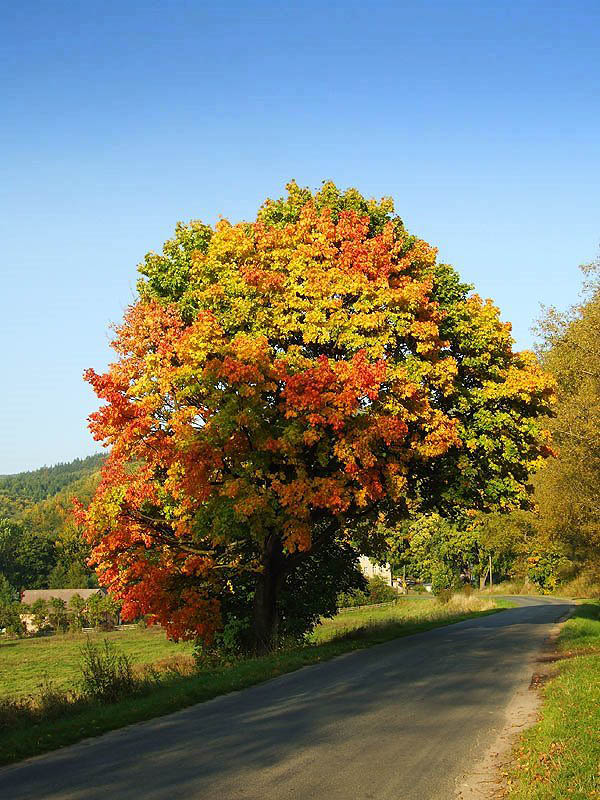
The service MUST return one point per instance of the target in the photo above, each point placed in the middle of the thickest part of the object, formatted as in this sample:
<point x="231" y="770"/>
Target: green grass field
<point x="560" y="756"/>
<point x="25" y="663"/>
<point x="407" y="610"/>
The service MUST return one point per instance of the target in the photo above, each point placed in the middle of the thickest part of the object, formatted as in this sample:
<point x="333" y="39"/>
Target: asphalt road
<point x="402" y="720"/>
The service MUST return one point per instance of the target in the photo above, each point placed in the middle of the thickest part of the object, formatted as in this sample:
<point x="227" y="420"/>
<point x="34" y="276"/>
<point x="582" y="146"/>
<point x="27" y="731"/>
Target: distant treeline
<point x="39" y="484"/>
<point x="40" y="544"/>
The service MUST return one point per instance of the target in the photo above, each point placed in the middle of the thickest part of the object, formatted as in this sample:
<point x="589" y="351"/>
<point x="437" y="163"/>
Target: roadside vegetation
<point x="560" y="756"/>
<point x="584" y="586"/>
<point x="96" y="686"/>
<point x="25" y="663"/>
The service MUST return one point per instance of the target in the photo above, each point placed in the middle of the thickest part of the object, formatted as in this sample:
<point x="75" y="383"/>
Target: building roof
<point x="29" y="596"/>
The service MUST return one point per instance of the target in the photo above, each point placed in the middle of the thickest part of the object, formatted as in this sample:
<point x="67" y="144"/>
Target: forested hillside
<point x="40" y="544"/>
<point x="26" y="488"/>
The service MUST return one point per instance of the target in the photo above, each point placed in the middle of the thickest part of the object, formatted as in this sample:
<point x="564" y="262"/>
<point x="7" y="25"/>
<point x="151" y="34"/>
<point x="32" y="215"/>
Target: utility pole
<point x="490" y="568"/>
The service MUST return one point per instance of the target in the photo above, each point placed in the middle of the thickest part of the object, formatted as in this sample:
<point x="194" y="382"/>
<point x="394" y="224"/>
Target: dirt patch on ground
<point x="487" y="780"/>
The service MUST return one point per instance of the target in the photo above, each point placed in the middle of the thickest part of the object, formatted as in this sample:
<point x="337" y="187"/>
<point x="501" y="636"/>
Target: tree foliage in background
<point x="41" y="546"/>
<point x="279" y="381"/>
<point x="26" y="559"/>
<point x="567" y="490"/>
<point x="435" y="549"/>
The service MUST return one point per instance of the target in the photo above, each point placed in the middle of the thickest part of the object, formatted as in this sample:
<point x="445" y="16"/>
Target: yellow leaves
<point x="523" y="380"/>
<point x="311" y="436"/>
<point x="291" y="370"/>
<point x="396" y="485"/>
<point x="442" y="433"/>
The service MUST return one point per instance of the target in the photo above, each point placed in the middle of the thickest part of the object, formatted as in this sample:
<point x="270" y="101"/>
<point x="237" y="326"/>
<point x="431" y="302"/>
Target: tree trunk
<point x="265" y="597"/>
<point x="482" y="578"/>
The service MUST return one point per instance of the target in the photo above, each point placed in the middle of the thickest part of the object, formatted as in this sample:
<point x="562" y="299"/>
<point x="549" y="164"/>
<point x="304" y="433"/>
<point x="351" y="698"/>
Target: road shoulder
<point x="488" y="779"/>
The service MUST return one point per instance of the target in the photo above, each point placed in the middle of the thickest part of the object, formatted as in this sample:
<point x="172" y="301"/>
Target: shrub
<point x="10" y="619"/>
<point x="444" y="595"/>
<point x="76" y="612"/>
<point x="545" y="568"/>
<point x="94" y="610"/>
<point x="376" y="591"/>
<point x="39" y="613"/>
<point x="75" y="625"/>
<point x="7" y="593"/>
<point x="107" y="675"/>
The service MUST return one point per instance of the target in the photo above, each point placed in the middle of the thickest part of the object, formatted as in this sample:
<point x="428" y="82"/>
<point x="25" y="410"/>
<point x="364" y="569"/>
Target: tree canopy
<point x="277" y="382"/>
<point x="567" y="490"/>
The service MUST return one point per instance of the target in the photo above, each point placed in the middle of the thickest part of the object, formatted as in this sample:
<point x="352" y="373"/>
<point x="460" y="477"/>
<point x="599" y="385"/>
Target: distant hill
<point x="53" y="516"/>
<point x="19" y="492"/>
<point x="40" y="543"/>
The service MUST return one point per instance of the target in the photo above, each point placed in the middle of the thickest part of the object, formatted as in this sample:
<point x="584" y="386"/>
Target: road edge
<point x="487" y="780"/>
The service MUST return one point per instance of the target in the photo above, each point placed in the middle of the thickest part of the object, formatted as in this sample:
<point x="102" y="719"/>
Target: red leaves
<point x="228" y="416"/>
<point x="330" y="391"/>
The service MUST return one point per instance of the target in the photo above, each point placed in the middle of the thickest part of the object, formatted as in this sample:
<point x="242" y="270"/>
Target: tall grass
<point x="106" y="676"/>
<point x="586" y="585"/>
<point x="513" y="587"/>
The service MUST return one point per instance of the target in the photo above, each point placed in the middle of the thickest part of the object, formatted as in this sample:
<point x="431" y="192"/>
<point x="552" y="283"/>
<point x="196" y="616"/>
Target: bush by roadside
<point x="376" y="591"/>
<point x="586" y="585"/>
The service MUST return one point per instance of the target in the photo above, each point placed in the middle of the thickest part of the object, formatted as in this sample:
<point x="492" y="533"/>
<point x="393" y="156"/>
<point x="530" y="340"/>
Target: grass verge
<point x="560" y="756"/>
<point x="176" y="692"/>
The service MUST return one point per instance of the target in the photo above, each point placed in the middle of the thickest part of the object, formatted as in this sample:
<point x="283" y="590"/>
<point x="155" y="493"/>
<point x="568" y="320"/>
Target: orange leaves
<point x="280" y="397"/>
<point x="302" y="495"/>
<point x="331" y="390"/>
<point x="297" y="535"/>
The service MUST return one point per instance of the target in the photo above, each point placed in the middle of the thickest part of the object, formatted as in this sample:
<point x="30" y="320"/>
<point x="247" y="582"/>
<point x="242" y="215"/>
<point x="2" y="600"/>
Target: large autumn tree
<point x="282" y="380"/>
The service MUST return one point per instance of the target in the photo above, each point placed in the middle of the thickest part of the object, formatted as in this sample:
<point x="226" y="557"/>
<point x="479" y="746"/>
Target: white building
<point x="370" y="569"/>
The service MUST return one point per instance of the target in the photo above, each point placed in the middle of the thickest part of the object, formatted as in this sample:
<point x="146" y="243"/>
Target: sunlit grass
<point x="560" y="756"/>
<point x="413" y="609"/>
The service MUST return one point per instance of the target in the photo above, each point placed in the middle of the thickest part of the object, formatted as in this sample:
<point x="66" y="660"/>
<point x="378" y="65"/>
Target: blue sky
<point x="480" y="118"/>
